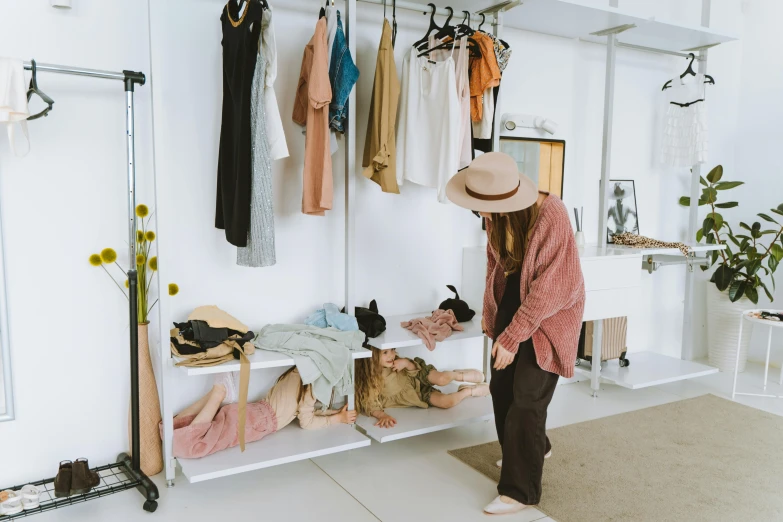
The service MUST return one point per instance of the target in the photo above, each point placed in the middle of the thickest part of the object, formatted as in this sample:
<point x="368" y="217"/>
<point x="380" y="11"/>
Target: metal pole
<point x="76" y="71"/>
<point x="497" y="26"/>
<point x="132" y="278"/>
<point x="688" y="330"/>
<point x="606" y="147"/>
<point x="606" y="153"/>
<point x="350" y="177"/>
<point x="422" y="8"/>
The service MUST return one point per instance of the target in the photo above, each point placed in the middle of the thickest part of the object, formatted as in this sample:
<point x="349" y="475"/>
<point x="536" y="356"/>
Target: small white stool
<point x="746" y="316"/>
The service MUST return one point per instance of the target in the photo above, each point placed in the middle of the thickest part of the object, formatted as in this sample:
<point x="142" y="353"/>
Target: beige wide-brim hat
<point x="492" y="183"/>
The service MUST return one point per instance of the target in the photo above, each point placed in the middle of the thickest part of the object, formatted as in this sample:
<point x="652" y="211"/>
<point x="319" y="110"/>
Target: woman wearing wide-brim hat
<point x="533" y="305"/>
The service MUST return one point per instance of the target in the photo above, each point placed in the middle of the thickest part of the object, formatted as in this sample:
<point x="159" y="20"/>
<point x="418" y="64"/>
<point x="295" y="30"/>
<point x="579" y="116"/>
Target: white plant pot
<point x="723" y="319"/>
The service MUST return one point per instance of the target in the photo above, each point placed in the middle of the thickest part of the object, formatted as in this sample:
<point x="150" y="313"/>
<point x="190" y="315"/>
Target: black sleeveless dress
<point x="240" y="47"/>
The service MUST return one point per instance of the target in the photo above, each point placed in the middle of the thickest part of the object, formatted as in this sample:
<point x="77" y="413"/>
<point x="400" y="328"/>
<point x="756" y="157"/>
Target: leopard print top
<point x="636" y="241"/>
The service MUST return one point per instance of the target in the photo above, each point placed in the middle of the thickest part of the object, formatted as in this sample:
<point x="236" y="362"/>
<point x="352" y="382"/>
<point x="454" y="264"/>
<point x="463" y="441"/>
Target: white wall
<point x="64" y="201"/>
<point x="758" y="136"/>
<point x="408" y="247"/>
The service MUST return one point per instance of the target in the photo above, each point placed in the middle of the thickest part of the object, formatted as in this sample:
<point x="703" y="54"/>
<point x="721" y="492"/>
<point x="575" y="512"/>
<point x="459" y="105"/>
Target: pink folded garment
<point x="436" y="327"/>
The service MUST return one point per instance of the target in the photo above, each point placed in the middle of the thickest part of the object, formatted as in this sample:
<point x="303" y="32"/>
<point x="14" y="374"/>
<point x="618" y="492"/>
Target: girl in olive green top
<point x="387" y="381"/>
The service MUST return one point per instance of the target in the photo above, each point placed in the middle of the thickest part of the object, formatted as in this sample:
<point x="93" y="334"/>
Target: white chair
<point x="747" y="316"/>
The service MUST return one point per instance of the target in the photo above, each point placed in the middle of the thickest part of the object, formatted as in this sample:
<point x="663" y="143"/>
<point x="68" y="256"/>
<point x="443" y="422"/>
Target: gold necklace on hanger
<point x="241" y="18"/>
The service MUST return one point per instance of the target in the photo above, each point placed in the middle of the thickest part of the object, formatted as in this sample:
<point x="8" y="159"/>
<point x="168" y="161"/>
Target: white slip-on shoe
<point x="500" y="462"/>
<point x="31" y="497"/>
<point x="230" y="382"/>
<point x="498" y="507"/>
<point x="12" y="503"/>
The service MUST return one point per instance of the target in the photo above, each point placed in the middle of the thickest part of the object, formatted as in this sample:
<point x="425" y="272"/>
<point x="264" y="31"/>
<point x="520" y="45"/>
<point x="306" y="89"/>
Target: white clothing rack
<point x="565" y="18"/>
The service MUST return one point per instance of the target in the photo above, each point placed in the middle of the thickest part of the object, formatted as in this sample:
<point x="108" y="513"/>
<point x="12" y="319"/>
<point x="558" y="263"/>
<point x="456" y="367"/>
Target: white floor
<point x="411" y="479"/>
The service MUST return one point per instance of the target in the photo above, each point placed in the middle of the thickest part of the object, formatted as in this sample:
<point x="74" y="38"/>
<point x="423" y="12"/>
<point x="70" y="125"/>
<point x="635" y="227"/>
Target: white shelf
<point x="668" y="36"/>
<point x="290" y="444"/>
<point x="649" y="369"/>
<point x="572" y="19"/>
<point x="622" y="251"/>
<point x="666" y="251"/>
<point x="416" y="421"/>
<point x="396" y="336"/>
<point x="259" y="359"/>
<point x="565" y="18"/>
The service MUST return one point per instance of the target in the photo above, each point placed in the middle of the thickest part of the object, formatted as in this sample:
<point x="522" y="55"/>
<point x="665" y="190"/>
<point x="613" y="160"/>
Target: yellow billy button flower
<point x="95" y="260"/>
<point x="173" y="289"/>
<point x="108" y="255"/>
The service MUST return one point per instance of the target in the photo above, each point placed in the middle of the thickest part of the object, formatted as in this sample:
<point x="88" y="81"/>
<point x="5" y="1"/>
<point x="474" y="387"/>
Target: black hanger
<point x="33" y="89"/>
<point x="446" y="30"/>
<point x="431" y="28"/>
<point x="483" y="19"/>
<point x="394" y="22"/>
<point x="707" y="78"/>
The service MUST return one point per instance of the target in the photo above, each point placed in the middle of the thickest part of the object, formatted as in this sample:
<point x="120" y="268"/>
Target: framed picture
<point x="622" y="215"/>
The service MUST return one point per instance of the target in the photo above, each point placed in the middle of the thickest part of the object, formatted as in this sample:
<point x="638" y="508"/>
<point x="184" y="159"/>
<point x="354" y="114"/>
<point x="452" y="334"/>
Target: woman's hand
<point x="384" y="420"/>
<point x="502" y="356"/>
<point x="402" y="364"/>
<point x="346" y="416"/>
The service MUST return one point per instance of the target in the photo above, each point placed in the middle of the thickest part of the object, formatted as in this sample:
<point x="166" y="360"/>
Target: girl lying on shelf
<point x="210" y="424"/>
<point x="387" y="381"/>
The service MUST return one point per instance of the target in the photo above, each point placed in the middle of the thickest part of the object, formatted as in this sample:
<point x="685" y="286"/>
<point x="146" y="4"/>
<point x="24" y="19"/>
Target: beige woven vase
<point x="149" y="410"/>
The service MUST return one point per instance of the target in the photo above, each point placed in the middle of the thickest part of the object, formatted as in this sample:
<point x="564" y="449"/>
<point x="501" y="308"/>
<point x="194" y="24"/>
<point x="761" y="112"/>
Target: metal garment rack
<point x="650" y="264"/>
<point x="126" y="472"/>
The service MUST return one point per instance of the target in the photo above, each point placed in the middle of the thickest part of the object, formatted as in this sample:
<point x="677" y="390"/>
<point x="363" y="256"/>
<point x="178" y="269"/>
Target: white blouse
<point x="278" y="148"/>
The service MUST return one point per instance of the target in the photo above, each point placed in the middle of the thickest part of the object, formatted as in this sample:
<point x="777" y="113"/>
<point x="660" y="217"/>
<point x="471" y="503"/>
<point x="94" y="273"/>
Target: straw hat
<point x="492" y="183"/>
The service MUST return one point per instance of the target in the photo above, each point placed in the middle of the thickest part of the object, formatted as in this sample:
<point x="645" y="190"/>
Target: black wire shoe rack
<point x="126" y="473"/>
<point x="116" y="477"/>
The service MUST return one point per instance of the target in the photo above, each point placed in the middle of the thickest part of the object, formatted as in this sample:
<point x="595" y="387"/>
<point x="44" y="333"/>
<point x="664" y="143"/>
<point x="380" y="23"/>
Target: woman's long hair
<point x="369" y="380"/>
<point x="509" y="235"/>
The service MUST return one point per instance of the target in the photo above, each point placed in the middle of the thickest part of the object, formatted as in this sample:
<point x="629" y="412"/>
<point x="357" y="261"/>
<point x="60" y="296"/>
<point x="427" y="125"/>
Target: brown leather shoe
<point x="83" y="478"/>
<point x="62" y="483"/>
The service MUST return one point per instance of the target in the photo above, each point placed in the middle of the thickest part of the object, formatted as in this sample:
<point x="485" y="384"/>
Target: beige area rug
<point x="704" y="459"/>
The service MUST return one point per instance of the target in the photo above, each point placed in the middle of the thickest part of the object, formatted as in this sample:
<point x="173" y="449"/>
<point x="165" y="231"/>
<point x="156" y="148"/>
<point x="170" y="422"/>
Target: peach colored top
<point x="311" y="109"/>
<point x="484" y="72"/>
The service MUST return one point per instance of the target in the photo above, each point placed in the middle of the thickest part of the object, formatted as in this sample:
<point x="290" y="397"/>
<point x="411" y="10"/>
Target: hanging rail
<point x="136" y="77"/>
<point x="424" y="8"/>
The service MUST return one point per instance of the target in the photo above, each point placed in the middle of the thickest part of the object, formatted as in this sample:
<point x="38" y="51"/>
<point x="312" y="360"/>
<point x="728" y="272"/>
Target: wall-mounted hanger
<point x="707" y="78"/>
<point x="33" y="89"/>
<point x="433" y="26"/>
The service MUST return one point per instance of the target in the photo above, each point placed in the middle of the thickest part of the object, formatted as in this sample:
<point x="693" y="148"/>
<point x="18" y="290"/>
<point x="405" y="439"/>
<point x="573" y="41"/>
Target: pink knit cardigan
<point x="552" y="292"/>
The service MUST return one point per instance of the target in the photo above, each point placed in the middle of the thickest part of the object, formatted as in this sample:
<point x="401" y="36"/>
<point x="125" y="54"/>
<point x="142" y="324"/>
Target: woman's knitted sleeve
<point x="557" y="280"/>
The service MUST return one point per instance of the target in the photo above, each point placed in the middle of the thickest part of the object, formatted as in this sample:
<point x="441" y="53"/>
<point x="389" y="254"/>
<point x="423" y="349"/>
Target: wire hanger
<point x="707" y="78"/>
<point x="433" y="26"/>
<point x="33" y="89"/>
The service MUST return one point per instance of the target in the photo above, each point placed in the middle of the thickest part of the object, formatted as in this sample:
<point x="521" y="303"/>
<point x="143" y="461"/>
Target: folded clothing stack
<point x="210" y="337"/>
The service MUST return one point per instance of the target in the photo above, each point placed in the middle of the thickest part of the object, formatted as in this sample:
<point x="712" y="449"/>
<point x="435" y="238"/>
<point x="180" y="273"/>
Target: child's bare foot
<point x="469" y="376"/>
<point x="478" y="390"/>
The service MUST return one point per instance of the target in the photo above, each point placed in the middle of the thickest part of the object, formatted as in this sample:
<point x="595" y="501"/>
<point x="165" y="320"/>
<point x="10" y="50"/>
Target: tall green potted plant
<point x="149" y="403"/>
<point x="745" y="268"/>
